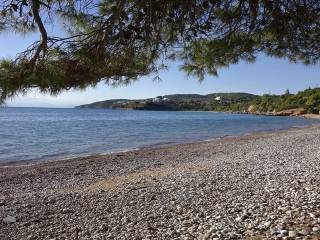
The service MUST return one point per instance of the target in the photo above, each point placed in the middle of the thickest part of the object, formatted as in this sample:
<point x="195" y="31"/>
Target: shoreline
<point x="306" y="115"/>
<point x="157" y="146"/>
<point x="264" y="185"/>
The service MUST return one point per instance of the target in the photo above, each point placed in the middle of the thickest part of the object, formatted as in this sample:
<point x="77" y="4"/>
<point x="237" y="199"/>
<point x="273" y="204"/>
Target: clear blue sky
<point x="266" y="75"/>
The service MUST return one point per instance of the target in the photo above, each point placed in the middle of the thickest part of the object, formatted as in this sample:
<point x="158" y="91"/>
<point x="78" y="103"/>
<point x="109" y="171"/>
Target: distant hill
<point x="308" y="100"/>
<point x="108" y="104"/>
<point x="177" y="102"/>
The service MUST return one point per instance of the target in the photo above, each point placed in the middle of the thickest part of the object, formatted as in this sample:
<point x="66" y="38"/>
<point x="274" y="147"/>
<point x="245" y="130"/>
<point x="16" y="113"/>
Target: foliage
<point x="308" y="99"/>
<point x="117" y="41"/>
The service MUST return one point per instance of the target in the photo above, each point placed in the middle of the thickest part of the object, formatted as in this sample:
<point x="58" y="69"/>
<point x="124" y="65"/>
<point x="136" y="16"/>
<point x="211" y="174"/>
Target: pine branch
<point x="44" y="36"/>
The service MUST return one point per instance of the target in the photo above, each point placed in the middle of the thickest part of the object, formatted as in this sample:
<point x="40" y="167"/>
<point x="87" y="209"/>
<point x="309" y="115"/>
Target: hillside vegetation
<point x="309" y="100"/>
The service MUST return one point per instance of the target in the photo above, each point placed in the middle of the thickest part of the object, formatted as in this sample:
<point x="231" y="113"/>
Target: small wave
<point x="47" y="156"/>
<point x="119" y="151"/>
<point x="159" y="144"/>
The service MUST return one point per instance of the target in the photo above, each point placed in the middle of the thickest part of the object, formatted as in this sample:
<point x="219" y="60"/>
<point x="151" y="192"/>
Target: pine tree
<point x="117" y="41"/>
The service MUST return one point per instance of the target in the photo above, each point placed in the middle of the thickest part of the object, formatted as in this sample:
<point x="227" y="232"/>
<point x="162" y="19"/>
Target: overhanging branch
<point x="44" y="36"/>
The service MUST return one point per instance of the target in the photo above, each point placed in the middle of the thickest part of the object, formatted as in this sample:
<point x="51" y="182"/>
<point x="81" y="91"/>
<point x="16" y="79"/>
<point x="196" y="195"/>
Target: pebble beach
<point x="259" y="186"/>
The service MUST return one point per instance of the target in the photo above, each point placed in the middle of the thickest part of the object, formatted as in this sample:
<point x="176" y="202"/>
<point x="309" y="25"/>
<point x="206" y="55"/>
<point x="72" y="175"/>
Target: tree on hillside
<point x="313" y="103"/>
<point x="287" y="92"/>
<point x="117" y="41"/>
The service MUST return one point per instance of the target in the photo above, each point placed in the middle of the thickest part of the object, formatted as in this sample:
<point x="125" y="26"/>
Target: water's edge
<point x="159" y="146"/>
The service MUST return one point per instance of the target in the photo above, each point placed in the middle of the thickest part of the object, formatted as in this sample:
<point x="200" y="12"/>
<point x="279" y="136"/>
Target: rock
<point x="267" y="224"/>
<point x="292" y="112"/>
<point x="284" y="209"/>
<point x="51" y="200"/>
<point x="304" y="232"/>
<point x="315" y="229"/>
<point x="9" y="219"/>
<point x="251" y="108"/>
<point x="292" y="233"/>
<point x="283" y="232"/>
<point x="31" y="237"/>
<point x="66" y="211"/>
<point x="312" y="215"/>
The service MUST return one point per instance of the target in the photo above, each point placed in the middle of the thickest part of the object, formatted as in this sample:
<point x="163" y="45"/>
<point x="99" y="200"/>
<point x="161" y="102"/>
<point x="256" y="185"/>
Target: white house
<point x="157" y="99"/>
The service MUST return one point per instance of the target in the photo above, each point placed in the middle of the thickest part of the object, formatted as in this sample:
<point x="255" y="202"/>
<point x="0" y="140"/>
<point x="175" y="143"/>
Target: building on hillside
<point x="159" y="99"/>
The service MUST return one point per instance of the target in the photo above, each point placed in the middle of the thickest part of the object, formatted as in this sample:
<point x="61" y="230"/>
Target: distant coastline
<point x="304" y="103"/>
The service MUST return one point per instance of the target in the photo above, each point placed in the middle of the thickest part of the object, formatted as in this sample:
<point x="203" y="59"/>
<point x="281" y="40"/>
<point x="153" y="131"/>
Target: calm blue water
<point x="39" y="133"/>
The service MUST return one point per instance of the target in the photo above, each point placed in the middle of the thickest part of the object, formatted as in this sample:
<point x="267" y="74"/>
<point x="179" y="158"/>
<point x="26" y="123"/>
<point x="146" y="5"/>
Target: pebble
<point x="9" y="219"/>
<point x="316" y="229"/>
<point x="283" y="232"/>
<point x="234" y="188"/>
<point x="267" y="224"/>
<point x="304" y="232"/>
<point x="292" y="233"/>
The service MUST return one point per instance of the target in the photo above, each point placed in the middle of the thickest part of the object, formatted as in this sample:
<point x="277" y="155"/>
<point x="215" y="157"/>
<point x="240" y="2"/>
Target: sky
<point x="266" y="75"/>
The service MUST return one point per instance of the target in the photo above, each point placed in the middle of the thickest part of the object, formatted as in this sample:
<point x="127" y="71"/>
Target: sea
<point x="52" y="134"/>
